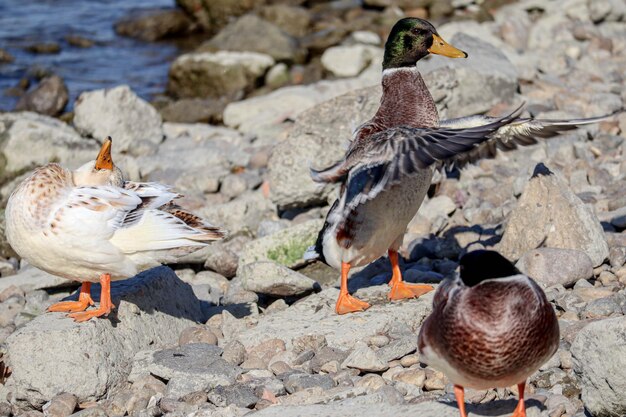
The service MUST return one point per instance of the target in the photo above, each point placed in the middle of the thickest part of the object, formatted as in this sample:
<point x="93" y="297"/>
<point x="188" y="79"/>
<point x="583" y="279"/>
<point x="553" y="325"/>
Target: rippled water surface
<point x="113" y="60"/>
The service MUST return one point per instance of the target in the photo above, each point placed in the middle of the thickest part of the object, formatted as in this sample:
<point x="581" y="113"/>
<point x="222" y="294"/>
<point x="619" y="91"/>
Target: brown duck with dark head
<point x="491" y="326"/>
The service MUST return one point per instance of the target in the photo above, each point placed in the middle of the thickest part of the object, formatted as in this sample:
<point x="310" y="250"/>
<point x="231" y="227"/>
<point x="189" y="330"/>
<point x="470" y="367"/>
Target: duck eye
<point x="418" y="31"/>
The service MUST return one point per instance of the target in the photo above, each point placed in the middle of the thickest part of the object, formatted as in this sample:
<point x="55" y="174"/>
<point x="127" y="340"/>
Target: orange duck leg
<point x="520" y="410"/>
<point x="459" y="393"/>
<point x="347" y="303"/>
<point x="84" y="301"/>
<point x="105" y="302"/>
<point x="400" y="290"/>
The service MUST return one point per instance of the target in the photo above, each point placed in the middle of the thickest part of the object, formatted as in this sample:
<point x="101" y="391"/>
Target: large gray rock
<point x="53" y="354"/>
<point x="31" y="279"/>
<point x="551" y="266"/>
<point x="274" y="279"/>
<point x="285" y="247"/>
<point x="49" y="97"/>
<point x="265" y="115"/>
<point x="318" y="139"/>
<point x="373" y="405"/>
<point x="316" y="316"/>
<point x="549" y="214"/>
<point x="484" y="79"/>
<point x="28" y="140"/>
<point x="224" y="73"/>
<point x="118" y="112"/>
<point x="189" y="368"/>
<point x="349" y="61"/>
<point x="251" y="33"/>
<point x="599" y="353"/>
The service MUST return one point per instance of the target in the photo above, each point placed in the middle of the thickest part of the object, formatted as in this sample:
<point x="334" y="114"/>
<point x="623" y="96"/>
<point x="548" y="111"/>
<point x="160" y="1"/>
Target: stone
<point x="382" y="408"/>
<point x="603" y="381"/>
<point x="310" y="140"/>
<point x="267" y="349"/>
<point x="30" y="140"/>
<point x="364" y="359"/>
<point x="49" y="97"/>
<point x="441" y="205"/>
<point x="79" y="41"/>
<point x="549" y="214"/>
<point x="277" y="76"/>
<point x="274" y="279"/>
<point x="193" y="110"/>
<point x="484" y="79"/>
<point x="60" y="406"/>
<point x="152" y="309"/>
<point x="266" y="115"/>
<point x="348" y="61"/>
<point x="189" y="368"/>
<point x="238" y="395"/>
<point x="197" y="334"/>
<point x="152" y="25"/>
<point x="234" y="352"/>
<point x="293" y="20"/>
<point x="298" y="382"/>
<point x="32" y="279"/>
<point x="550" y="266"/>
<point x="44" y="48"/>
<point x="253" y="34"/>
<point x="5" y="56"/>
<point x="117" y="112"/>
<point x="223" y="73"/>
<point x="214" y="14"/>
<point x="315" y="315"/>
<point x="240" y="216"/>
<point x="397" y="349"/>
<point x="285" y="247"/>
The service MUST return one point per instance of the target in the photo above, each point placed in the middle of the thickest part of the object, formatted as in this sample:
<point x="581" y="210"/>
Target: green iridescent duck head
<point x="411" y="39"/>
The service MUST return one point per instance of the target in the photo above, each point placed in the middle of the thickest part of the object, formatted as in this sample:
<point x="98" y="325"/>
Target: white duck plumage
<point x="85" y="223"/>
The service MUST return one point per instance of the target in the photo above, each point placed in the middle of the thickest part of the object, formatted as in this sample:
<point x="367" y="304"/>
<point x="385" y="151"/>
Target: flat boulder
<point x="92" y="360"/>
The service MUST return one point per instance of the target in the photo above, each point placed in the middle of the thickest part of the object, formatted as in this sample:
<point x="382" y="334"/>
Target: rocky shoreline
<point x="246" y="326"/>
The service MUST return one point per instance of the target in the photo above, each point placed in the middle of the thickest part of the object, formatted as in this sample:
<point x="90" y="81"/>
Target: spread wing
<point x="520" y="132"/>
<point x="390" y="156"/>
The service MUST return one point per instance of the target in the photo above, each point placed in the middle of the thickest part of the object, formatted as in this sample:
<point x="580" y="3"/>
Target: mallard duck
<point x="90" y="225"/>
<point x="491" y="326"/>
<point x="389" y="164"/>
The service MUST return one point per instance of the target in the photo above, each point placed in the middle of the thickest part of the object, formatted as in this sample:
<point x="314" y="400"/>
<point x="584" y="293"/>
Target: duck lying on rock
<point x="389" y="164"/>
<point x="491" y="326"/>
<point x="90" y="225"/>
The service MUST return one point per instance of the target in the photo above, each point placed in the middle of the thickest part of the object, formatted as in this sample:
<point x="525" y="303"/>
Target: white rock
<point x="599" y="353"/>
<point x="364" y="359"/>
<point x="348" y="61"/>
<point x="31" y="140"/>
<point x="117" y="112"/>
<point x="92" y="359"/>
<point x="441" y="205"/>
<point x="31" y="279"/>
<point x="551" y="266"/>
<point x="366" y="37"/>
<point x="274" y="279"/>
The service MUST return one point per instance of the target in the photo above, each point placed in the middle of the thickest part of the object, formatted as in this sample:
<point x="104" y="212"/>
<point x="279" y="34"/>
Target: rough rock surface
<point x="118" y="112"/>
<point x="92" y="359"/>
<point x="550" y="214"/>
<point x="224" y="73"/>
<point x="374" y="406"/>
<point x="30" y="139"/>
<point x="251" y="33"/>
<point x="274" y="279"/>
<point x="599" y="352"/>
<point x="550" y="266"/>
<point x="49" y="97"/>
<point x="316" y="316"/>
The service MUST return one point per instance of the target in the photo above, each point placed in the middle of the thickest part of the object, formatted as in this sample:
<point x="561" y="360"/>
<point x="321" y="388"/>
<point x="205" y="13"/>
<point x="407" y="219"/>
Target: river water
<point x="113" y="60"/>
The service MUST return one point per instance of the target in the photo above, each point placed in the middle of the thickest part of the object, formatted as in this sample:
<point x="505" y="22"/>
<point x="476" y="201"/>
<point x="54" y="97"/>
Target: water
<point x="113" y="60"/>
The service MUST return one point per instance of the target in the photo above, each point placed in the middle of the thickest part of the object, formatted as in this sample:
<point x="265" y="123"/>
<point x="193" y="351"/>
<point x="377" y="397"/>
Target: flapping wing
<point x="520" y="132"/>
<point x="394" y="154"/>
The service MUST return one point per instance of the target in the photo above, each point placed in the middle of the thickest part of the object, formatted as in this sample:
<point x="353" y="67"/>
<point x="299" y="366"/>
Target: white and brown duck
<point x="491" y="326"/>
<point x="89" y="225"/>
<point x="389" y="164"/>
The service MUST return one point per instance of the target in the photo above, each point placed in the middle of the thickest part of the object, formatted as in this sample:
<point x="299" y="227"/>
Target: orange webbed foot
<point x="103" y="310"/>
<point x="84" y="301"/>
<point x="400" y="290"/>
<point x="349" y="304"/>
